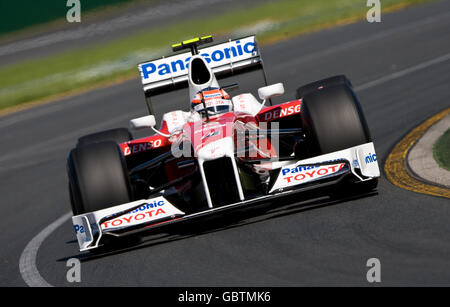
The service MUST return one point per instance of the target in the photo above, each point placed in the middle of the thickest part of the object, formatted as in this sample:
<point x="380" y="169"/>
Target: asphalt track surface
<point x="400" y="69"/>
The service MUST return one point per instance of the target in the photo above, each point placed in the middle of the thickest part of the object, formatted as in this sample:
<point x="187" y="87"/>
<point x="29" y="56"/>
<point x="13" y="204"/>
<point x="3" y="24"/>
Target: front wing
<point x="130" y="218"/>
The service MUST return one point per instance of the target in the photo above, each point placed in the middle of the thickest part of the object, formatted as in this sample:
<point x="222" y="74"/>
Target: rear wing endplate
<point x="225" y="59"/>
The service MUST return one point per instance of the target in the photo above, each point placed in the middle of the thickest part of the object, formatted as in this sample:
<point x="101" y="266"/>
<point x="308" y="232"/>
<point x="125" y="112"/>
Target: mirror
<point x="144" y="122"/>
<point x="271" y="91"/>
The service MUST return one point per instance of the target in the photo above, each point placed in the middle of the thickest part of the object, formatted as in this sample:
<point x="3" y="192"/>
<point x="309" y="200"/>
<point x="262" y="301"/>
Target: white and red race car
<point x="220" y="153"/>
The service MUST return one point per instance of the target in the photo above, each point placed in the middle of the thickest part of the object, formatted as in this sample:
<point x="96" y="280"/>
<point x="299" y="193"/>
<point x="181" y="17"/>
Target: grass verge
<point x="441" y="150"/>
<point x="46" y="78"/>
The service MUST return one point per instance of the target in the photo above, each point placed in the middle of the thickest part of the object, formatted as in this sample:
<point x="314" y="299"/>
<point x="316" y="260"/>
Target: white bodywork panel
<point x="87" y="226"/>
<point x="175" y="120"/>
<point x="195" y="88"/>
<point x="361" y="156"/>
<point x="270" y="91"/>
<point x="220" y="57"/>
<point x="220" y="148"/>
<point x="246" y="103"/>
<point x="142" y="122"/>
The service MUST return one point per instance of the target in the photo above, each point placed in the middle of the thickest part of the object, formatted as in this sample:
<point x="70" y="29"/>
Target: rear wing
<point x="225" y="59"/>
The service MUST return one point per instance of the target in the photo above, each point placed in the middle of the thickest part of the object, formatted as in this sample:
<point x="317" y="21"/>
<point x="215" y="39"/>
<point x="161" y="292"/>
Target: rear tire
<point x="333" y="120"/>
<point x="118" y="135"/>
<point x="328" y="82"/>
<point x="98" y="177"/>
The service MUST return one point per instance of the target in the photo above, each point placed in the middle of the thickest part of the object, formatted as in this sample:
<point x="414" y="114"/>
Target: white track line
<point x="404" y="72"/>
<point x="420" y="24"/>
<point x="27" y="263"/>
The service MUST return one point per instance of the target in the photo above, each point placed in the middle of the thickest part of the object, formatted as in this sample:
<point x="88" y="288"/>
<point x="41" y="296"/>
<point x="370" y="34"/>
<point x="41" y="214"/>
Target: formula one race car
<point x="222" y="152"/>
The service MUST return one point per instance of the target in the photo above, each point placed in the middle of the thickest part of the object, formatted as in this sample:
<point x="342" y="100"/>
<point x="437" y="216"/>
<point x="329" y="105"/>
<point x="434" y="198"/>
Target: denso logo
<point x="371" y="158"/>
<point x="216" y="56"/>
<point x="141" y="147"/>
<point x="277" y="113"/>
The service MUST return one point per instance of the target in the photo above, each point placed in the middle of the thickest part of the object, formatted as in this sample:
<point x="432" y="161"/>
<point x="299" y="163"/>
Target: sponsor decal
<point x="307" y="173"/>
<point x="148" y="206"/>
<point x="213" y="102"/>
<point x="301" y="168"/>
<point x="141" y="147"/>
<point x="228" y="51"/>
<point x="146" y="212"/>
<point x="371" y="158"/>
<point x="217" y="94"/>
<point x="78" y="229"/>
<point x="281" y="112"/>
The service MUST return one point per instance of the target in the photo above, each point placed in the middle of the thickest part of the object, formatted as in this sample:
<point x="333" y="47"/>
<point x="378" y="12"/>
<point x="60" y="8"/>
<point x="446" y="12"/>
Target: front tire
<point x="98" y="177"/>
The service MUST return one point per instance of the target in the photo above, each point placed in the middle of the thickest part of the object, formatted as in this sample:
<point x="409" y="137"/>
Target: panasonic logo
<point x="218" y="55"/>
<point x="371" y="158"/>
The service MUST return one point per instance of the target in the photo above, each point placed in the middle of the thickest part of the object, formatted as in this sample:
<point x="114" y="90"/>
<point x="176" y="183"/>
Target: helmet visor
<point x="218" y="106"/>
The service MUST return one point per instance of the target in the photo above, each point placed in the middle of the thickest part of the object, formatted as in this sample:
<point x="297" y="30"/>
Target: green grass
<point x="79" y="68"/>
<point x="441" y="150"/>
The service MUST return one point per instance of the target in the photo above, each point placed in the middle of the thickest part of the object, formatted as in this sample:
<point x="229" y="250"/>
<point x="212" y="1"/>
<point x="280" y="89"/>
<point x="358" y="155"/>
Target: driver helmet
<point x="217" y="101"/>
